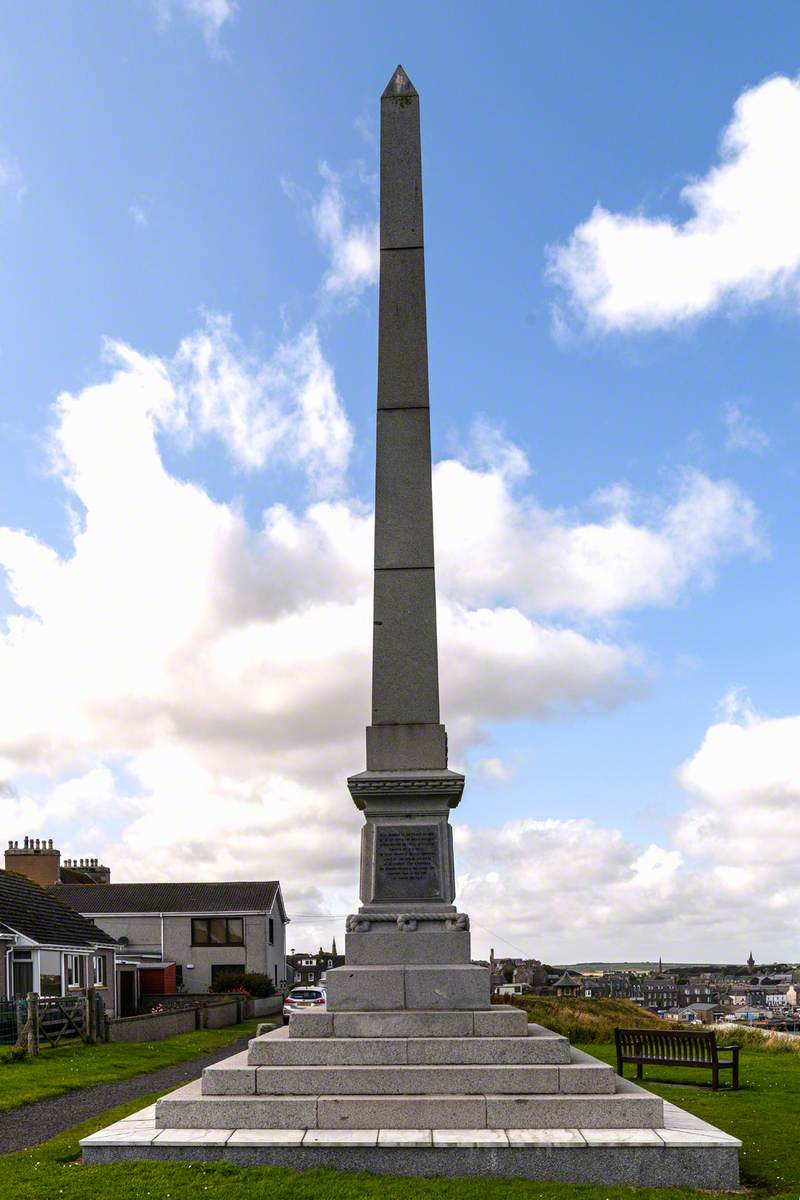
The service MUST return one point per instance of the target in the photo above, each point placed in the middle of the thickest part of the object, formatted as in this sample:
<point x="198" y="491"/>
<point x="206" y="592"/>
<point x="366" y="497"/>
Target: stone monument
<point x="411" y="1070"/>
<point x="407" y="947"/>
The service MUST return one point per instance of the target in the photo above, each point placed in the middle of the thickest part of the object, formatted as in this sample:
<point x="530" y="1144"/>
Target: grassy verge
<point x="765" y="1113"/>
<point x="74" y="1066"/>
<point x="586" y="1020"/>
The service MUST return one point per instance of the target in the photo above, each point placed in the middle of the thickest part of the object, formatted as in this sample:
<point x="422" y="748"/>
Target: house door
<point x="22" y="975"/>
<point x="127" y="993"/>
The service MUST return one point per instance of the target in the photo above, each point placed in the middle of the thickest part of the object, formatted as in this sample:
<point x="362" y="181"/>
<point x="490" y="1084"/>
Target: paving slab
<point x="266" y="1137"/>
<point x="545" y="1137"/>
<point x="341" y="1137"/>
<point x="404" y="1137"/>
<point x="192" y="1137"/>
<point x="469" y="1137"/>
<point x="621" y="1137"/>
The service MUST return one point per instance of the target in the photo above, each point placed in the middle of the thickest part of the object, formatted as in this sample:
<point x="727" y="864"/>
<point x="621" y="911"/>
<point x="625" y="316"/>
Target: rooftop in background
<point x="237" y="897"/>
<point x="40" y="860"/>
<point x="44" y="917"/>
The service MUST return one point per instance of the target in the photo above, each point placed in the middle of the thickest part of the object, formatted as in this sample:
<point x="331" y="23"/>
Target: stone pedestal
<point x="407" y="947"/>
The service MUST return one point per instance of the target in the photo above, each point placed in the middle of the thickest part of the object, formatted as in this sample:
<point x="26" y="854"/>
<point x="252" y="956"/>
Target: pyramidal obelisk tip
<point x="400" y="84"/>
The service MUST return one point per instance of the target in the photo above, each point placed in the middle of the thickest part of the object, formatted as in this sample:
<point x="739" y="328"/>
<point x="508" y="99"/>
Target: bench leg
<point x="715" y="1079"/>
<point x="639" y="1071"/>
<point x="735" y="1079"/>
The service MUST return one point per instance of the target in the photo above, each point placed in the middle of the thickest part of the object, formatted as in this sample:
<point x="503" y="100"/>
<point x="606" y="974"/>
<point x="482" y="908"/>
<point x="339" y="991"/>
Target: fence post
<point x="33" y="1025"/>
<point x="89" y="1017"/>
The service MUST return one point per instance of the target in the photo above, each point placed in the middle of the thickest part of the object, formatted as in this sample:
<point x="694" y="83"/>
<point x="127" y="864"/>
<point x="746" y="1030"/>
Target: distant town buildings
<point x="312" y="968"/>
<point x="709" y="995"/>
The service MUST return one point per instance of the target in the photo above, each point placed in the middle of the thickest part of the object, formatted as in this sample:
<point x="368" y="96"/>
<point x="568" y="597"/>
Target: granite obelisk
<point x="407" y="947"/>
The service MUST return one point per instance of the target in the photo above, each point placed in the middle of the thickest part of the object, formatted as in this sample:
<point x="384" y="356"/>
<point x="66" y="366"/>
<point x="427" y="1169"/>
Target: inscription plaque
<point x="407" y="863"/>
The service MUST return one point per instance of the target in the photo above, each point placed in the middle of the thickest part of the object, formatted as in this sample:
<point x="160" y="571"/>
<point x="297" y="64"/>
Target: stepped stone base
<point x="426" y="1093"/>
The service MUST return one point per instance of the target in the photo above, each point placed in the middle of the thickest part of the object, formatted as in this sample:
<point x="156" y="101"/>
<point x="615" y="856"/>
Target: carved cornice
<point x="382" y="786"/>
<point x="407" y="922"/>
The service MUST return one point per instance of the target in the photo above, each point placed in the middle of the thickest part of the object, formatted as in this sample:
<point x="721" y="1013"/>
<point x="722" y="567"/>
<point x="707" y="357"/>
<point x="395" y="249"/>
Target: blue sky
<point x="613" y="389"/>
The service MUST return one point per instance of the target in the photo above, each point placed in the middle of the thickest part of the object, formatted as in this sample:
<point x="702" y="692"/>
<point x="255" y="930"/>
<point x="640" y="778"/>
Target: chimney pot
<point x="37" y="843"/>
<point x="50" y="844"/>
<point x="26" y="841"/>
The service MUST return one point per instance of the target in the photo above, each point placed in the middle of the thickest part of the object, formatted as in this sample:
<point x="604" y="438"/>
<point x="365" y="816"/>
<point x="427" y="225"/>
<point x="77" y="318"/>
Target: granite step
<point x="629" y="1107"/>
<point x="498" y="1021"/>
<point x="276" y="1049"/>
<point x="236" y="1076"/>
<point x="684" y="1153"/>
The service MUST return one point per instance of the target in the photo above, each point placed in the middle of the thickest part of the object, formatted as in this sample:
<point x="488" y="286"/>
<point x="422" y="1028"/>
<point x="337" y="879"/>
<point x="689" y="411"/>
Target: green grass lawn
<point x="765" y="1113"/>
<point x="75" y="1065"/>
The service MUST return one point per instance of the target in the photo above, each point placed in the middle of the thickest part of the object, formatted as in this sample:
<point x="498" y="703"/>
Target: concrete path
<point x="21" y="1128"/>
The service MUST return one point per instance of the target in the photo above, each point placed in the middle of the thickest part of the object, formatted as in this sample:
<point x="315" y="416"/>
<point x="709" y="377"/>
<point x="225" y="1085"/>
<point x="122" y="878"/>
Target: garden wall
<point x="154" y="1027"/>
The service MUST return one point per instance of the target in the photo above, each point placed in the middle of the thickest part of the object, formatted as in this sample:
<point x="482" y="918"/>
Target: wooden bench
<point x="676" y="1048"/>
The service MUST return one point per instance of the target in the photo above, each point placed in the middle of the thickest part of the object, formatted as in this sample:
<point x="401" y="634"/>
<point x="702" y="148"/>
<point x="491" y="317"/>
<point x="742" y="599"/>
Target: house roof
<point x="46" y="919"/>
<point x="73" y="875"/>
<point x="232" y="897"/>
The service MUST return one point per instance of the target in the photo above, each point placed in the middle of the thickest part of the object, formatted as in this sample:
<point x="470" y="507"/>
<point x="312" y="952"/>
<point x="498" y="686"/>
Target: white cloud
<point x="352" y="247"/>
<point x="287" y="403"/>
<point x="224" y="669"/>
<point x="742" y="433"/>
<point x="208" y="15"/>
<point x="740" y="246"/>
<point x="491" y="542"/>
<point x="727" y="875"/>
<point x="196" y="687"/>
<point x="494" y="769"/>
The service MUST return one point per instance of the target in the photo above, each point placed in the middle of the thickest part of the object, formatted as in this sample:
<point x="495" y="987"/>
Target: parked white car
<point x="304" y="999"/>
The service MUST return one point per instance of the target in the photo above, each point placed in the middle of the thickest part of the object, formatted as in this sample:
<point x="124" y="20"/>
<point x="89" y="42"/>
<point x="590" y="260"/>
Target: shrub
<point x="250" y="982"/>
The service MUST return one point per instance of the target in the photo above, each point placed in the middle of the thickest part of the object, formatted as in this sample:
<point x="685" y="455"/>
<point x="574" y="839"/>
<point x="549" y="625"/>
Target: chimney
<point x="35" y="858"/>
<point x="94" y="870"/>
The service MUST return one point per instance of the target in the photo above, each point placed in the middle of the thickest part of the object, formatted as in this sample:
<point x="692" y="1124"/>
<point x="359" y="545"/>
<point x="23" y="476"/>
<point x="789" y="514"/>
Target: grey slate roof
<point x="44" y="918"/>
<point x="168" y="897"/>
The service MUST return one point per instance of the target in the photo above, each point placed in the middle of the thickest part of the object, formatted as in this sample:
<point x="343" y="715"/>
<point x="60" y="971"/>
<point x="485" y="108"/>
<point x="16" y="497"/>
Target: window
<point x="50" y="985"/>
<point x="22" y="972"/>
<point x="75" y="970"/>
<point x="100" y="970"/>
<point x="218" y="969"/>
<point x="217" y="931"/>
<point x="271" y="932"/>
